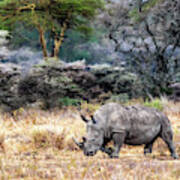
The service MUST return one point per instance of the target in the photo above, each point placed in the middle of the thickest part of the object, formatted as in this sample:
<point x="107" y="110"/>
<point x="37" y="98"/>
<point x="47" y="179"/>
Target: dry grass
<point x="35" y="144"/>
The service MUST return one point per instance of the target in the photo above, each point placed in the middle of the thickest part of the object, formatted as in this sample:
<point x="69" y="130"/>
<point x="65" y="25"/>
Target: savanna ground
<point x="37" y="144"/>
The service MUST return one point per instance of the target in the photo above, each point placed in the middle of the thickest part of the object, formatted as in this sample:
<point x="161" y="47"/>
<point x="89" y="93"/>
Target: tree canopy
<point x="54" y="16"/>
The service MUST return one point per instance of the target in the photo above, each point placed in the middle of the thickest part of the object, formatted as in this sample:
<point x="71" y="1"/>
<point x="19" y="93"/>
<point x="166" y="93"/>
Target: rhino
<point x="131" y="125"/>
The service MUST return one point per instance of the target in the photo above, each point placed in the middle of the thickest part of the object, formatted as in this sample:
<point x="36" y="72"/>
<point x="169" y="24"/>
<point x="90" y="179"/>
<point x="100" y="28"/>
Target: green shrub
<point x="155" y="103"/>
<point x="66" y="101"/>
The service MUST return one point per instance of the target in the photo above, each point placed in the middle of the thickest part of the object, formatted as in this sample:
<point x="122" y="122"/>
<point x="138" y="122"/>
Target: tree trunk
<point x="56" y="47"/>
<point x="162" y="64"/>
<point x="58" y="40"/>
<point x="43" y="42"/>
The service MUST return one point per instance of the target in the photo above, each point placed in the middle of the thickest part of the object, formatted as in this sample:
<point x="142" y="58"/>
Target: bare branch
<point x="152" y="35"/>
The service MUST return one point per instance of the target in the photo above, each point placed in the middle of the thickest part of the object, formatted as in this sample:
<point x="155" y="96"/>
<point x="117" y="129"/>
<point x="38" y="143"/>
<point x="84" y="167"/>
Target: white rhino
<point x="132" y="125"/>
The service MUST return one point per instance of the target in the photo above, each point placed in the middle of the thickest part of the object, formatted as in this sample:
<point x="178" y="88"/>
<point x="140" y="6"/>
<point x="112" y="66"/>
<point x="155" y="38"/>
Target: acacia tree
<point x="148" y="35"/>
<point x="54" y="16"/>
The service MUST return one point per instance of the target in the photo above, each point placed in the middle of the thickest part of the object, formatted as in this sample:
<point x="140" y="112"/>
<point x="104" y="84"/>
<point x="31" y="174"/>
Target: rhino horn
<point x="84" y="118"/>
<point x="79" y="144"/>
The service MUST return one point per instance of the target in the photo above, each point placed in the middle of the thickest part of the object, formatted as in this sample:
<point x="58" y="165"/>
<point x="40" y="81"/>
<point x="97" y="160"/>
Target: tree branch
<point x="151" y="34"/>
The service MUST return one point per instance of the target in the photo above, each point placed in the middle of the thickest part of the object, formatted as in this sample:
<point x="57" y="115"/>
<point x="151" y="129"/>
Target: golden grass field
<point x="37" y="144"/>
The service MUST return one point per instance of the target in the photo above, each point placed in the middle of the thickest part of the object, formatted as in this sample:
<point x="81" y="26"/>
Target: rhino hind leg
<point x="167" y="137"/>
<point x="171" y="149"/>
<point x="118" y="139"/>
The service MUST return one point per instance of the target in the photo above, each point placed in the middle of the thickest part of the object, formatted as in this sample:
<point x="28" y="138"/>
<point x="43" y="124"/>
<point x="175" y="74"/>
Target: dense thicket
<point x="148" y="34"/>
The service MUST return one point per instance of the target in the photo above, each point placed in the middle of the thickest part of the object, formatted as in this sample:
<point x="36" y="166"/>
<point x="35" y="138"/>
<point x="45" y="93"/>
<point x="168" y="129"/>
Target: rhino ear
<point x="93" y="120"/>
<point x="84" y="118"/>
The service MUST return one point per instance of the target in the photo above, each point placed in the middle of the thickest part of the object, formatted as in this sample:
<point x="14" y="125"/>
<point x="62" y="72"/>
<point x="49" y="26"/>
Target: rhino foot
<point x="175" y="156"/>
<point x="147" y="151"/>
<point x="108" y="150"/>
<point x="114" y="156"/>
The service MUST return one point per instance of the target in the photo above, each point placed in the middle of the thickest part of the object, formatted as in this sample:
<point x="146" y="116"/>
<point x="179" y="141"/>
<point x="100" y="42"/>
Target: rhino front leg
<point x="118" y="139"/>
<point x="107" y="150"/>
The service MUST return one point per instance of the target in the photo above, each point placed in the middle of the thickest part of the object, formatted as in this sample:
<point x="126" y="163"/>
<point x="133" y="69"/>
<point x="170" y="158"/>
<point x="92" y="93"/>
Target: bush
<point x="155" y="103"/>
<point x="66" y="101"/>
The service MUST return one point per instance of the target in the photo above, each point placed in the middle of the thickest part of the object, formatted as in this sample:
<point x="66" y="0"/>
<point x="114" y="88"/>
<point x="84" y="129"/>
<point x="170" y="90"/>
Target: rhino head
<point x="95" y="137"/>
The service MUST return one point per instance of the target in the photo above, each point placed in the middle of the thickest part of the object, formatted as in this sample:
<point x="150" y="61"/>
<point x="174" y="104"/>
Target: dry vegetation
<point x="36" y="144"/>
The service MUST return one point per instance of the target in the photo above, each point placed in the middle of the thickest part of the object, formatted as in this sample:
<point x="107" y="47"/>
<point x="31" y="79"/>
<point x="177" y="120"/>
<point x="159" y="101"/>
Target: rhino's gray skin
<point x="132" y="125"/>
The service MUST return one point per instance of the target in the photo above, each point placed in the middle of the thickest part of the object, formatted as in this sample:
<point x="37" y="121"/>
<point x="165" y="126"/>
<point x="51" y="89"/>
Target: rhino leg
<point x="148" y="148"/>
<point x="118" y="139"/>
<point x="171" y="148"/>
<point x="107" y="150"/>
<point x="168" y="139"/>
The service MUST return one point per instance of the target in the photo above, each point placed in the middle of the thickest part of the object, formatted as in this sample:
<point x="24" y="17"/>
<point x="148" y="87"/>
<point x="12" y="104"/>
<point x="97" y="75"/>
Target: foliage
<point x="145" y="8"/>
<point x="148" y="38"/>
<point x="70" y="49"/>
<point x="154" y="103"/>
<point x="177" y="77"/>
<point x="150" y="4"/>
<point x="80" y="46"/>
<point x="23" y="35"/>
<point x="66" y="101"/>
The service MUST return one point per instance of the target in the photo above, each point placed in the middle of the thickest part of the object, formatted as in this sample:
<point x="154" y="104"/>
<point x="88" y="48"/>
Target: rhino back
<point x="112" y="117"/>
<point x="145" y="125"/>
<point x="141" y="124"/>
<point x="144" y="116"/>
<point x="108" y="111"/>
